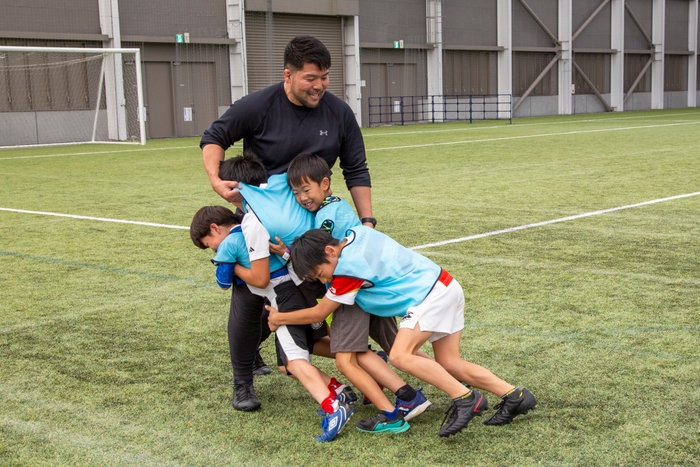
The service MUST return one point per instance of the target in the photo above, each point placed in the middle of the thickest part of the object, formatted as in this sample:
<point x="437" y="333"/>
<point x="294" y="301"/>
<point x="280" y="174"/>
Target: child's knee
<point x="344" y="363"/>
<point x="398" y="359"/>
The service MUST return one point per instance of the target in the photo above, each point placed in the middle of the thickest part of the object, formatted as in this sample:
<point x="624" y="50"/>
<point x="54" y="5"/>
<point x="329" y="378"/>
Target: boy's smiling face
<point x="310" y="195"/>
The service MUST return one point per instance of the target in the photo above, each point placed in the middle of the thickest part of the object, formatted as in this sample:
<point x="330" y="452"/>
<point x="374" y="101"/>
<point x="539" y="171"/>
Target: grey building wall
<point x="385" y="21"/>
<point x="202" y="19"/>
<point x="55" y="16"/>
<point x="526" y="31"/>
<point x="469" y="32"/>
<point x="676" y="34"/>
<point x="468" y="23"/>
<point x="634" y="38"/>
<point x="596" y="35"/>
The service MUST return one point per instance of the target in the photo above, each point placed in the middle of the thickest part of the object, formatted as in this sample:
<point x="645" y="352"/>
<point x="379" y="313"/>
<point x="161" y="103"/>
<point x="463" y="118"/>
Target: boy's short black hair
<point x="306" y="49"/>
<point x="308" y="252"/>
<point x="202" y="220"/>
<point x="246" y="168"/>
<point x="307" y="167"/>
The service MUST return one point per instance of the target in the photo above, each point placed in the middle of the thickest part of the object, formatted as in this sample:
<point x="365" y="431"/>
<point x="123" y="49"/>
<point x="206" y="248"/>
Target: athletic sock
<point x="242" y="381"/>
<point x="391" y="415"/>
<point x="406" y="393"/>
<point x="466" y="396"/>
<point x="330" y="403"/>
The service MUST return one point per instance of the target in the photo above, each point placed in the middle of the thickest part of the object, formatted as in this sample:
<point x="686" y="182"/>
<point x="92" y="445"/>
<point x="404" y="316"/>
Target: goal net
<point x="54" y="95"/>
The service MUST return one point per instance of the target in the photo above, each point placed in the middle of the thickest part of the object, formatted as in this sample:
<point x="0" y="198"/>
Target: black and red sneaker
<point x="517" y="402"/>
<point x="462" y="411"/>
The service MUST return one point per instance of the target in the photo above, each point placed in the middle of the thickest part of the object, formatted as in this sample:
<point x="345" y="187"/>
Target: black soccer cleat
<point x="260" y="368"/>
<point x="518" y="402"/>
<point x="462" y="411"/>
<point x="244" y="397"/>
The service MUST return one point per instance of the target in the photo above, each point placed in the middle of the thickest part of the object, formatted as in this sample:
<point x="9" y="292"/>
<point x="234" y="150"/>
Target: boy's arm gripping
<point x="306" y="316"/>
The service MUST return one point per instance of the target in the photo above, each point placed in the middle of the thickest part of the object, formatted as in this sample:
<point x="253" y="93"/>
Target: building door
<point x="195" y="99"/>
<point x="159" y="100"/>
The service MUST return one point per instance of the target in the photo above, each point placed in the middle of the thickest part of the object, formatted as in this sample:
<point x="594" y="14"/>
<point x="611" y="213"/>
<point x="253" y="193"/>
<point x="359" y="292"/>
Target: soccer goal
<point x="61" y="95"/>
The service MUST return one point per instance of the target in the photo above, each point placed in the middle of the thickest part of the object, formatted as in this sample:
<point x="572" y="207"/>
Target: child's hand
<point x="278" y="248"/>
<point x="272" y="320"/>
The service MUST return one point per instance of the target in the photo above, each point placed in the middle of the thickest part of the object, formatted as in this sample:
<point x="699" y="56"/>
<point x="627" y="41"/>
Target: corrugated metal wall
<point x="267" y="34"/>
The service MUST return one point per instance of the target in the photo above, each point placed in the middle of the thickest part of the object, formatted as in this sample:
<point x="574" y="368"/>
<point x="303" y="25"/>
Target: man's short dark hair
<point x="246" y="168"/>
<point x="307" y="167"/>
<point x="202" y="220"/>
<point x="306" y="49"/>
<point x="308" y="252"/>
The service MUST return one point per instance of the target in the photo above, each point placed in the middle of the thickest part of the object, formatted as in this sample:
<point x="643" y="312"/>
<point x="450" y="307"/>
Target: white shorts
<point x="442" y="311"/>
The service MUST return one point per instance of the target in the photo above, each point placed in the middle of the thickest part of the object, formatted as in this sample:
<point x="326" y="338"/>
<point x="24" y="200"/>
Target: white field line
<point x="541" y="135"/>
<point x="520" y="125"/>
<point x="101" y="219"/>
<point x="553" y="221"/>
<point x="419" y="247"/>
<point x="97" y="152"/>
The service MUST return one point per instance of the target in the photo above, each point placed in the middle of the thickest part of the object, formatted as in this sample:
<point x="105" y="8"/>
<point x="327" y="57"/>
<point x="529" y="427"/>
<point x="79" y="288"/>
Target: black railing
<point x="400" y="110"/>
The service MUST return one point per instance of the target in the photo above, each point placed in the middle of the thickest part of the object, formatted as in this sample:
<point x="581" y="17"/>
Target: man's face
<point x="306" y="86"/>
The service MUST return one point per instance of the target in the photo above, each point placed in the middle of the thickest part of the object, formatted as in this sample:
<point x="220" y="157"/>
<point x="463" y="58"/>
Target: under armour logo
<point x="323" y="132"/>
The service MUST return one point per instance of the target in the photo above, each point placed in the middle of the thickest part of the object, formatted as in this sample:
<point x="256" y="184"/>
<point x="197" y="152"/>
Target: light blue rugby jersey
<point x="396" y="278"/>
<point x="232" y="250"/>
<point x="336" y="216"/>
<point x="277" y="209"/>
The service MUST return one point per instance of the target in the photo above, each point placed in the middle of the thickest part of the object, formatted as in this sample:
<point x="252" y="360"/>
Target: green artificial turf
<point x="113" y="342"/>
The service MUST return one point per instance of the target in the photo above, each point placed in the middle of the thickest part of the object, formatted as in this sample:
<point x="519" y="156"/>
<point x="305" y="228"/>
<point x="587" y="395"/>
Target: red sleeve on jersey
<point x="343" y="285"/>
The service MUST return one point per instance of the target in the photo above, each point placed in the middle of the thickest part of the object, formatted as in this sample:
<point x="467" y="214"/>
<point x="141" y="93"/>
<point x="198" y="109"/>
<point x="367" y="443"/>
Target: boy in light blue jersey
<point x="309" y="178"/>
<point x="387" y="279"/>
<point x="214" y="227"/>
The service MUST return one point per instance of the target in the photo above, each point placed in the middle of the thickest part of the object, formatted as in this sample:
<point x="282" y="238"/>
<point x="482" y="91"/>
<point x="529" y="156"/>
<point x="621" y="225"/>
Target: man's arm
<point x="212" y="156"/>
<point x="306" y="316"/>
<point x="362" y="198"/>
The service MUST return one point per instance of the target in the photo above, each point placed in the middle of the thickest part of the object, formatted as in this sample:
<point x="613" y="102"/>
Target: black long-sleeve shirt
<point x="277" y="131"/>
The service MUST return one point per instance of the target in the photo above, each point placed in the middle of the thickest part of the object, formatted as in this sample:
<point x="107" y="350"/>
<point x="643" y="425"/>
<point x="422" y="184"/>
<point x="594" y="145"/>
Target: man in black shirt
<point x="288" y="118"/>
<point x="278" y="123"/>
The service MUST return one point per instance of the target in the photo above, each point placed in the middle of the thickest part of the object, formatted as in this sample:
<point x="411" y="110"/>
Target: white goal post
<point x="66" y="95"/>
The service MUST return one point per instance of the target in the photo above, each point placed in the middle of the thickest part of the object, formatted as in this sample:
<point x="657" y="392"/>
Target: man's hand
<point x="272" y="320"/>
<point x="228" y="190"/>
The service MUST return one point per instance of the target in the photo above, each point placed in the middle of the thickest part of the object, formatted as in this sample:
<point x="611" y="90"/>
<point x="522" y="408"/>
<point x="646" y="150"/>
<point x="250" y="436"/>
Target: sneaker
<point x="332" y="423"/>
<point x="260" y="368"/>
<point x="346" y="395"/>
<point x="244" y="397"/>
<point x="517" y="403"/>
<point x="414" y="407"/>
<point x="343" y="392"/>
<point x="462" y="411"/>
<point x="381" y="424"/>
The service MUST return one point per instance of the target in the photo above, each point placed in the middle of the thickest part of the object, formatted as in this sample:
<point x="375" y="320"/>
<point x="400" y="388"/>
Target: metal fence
<point x="400" y="110"/>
